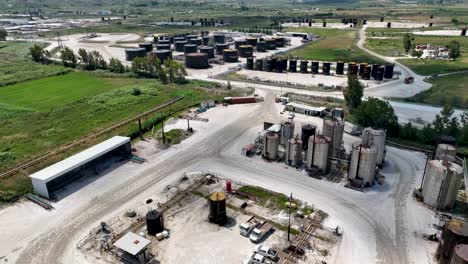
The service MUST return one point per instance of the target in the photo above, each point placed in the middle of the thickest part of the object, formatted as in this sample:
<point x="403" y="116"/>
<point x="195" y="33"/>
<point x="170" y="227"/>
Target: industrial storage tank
<point x="362" y="66"/>
<point x="268" y="65"/>
<point x="179" y="45"/>
<point x="131" y="53"/>
<point x="208" y="50"/>
<point x="318" y="152"/>
<point x="271" y="142"/>
<point x="353" y="68"/>
<point x="206" y="40"/>
<point x="252" y="41"/>
<point x="307" y="131"/>
<point x="154" y="222"/>
<point x="190" y="48"/>
<point x="261" y="46"/>
<point x="376" y="138"/>
<point x="389" y="68"/>
<point x="445" y="152"/>
<point x="340" y="68"/>
<point x="148" y="46"/>
<point x="259" y="65"/>
<point x="460" y="254"/>
<point x="219" y="38"/>
<point x="240" y="42"/>
<point x="374" y="70"/>
<point x="294" y="152"/>
<point x="164" y="42"/>
<point x="197" y="60"/>
<point x="250" y="63"/>
<point x="287" y="132"/>
<point x="362" y="165"/>
<point x="217" y="208"/>
<point x="162" y="55"/>
<point x="326" y="68"/>
<point x="304" y="66"/>
<point x="441" y="183"/>
<point x="280" y="41"/>
<point x="163" y="46"/>
<point x="379" y="75"/>
<point x="230" y="55"/>
<point x="270" y="44"/>
<point x="367" y="73"/>
<point x="196" y="41"/>
<point x="220" y="47"/>
<point x="293" y="65"/>
<point x="245" y="51"/>
<point x="455" y="232"/>
<point x="334" y="129"/>
<point x="189" y="37"/>
<point x="315" y="67"/>
<point x="179" y="39"/>
<point x="281" y="65"/>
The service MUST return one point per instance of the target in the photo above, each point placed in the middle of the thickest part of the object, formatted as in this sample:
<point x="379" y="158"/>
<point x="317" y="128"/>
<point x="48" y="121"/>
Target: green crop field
<point x="16" y="66"/>
<point x="334" y="45"/>
<point x="450" y="89"/>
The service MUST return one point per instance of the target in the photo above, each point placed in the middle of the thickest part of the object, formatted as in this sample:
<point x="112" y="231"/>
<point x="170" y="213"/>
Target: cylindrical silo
<point x="190" y="48"/>
<point x="287" y="132"/>
<point x="270" y="146"/>
<point x="230" y="55"/>
<point x="245" y="51"/>
<point x="280" y="41"/>
<point x="208" y="50"/>
<point x="293" y="65"/>
<point x="164" y="42"/>
<point x="131" y="53"/>
<point x="363" y="163"/>
<point x="294" y="152"/>
<point x="318" y="152"/>
<point x="217" y="208"/>
<point x="261" y="46"/>
<point x="196" y="41"/>
<point x="206" y="40"/>
<point x="148" y="46"/>
<point x="454" y="232"/>
<point x="441" y="183"/>
<point x="163" y="46"/>
<point x="367" y="73"/>
<point x="334" y="129"/>
<point x="270" y="44"/>
<point x="445" y="152"/>
<point x="219" y="38"/>
<point x="250" y="63"/>
<point x="220" y="47"/>
<point x="154" y="222"/>
<point x="162" y="55"/>
<point x="376" y="138"/>
<point x="340" y="68"/>
<point x="315" y="67"/>
<point x="353" y="68"/>
<point x="379" y="75"/>
<point x="460" y="254"/>
<point x="389" y="68"/>
<point x="196" y="60"/>
<point x="307" y="131"/>
<point x="259" y="65"/>
<point x="374" y="70"/>
<point x="326" y="68"/>
<point x="252" y="41"/>
<point x="304" y="66"/>
<point x="239" y="42"/>
<point x="362" y="66"/>
<point x="179" y="45"/>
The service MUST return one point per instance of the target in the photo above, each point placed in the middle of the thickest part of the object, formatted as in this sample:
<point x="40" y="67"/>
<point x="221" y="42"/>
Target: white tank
<point x="318" y="152"/>
<point x="287" y="132"/>
<point x="334" y="129"/>
<point x="294" y="152"/>
<point x="441" y="184"/>
<point x="363" y="163"/>
<point x="375" y="138"/>
<point x="445" y="152"/>
<point x="270" y="145"/>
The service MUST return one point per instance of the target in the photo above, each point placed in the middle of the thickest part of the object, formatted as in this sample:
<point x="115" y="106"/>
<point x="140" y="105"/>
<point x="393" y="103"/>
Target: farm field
<point x="335" y="45"/>
<point x="16" y="66"/>
<point x="41" y="115"/>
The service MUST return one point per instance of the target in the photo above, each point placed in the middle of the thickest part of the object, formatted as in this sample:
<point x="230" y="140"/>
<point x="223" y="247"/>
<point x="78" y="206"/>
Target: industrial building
<point x="86" y="163"/>
<point x="133" y="248"/>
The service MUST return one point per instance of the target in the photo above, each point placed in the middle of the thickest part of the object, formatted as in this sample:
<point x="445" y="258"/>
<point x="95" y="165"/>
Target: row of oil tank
<point x="442" y="179"/>
<point x="364" y="70"/>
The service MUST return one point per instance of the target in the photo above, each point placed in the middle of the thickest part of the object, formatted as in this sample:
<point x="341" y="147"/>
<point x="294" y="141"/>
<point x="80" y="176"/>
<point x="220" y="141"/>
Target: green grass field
<point x="16" y="66"/>
<point x="335" y="45"/>
<point x="451" y="89"/>
<point x="393" y="46"/>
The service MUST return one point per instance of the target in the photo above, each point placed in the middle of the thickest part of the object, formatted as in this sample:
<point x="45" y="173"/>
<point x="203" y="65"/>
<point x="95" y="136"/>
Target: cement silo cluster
<point x="217" y="213"/>
<point x="318" y="152"/>
<point x="442" y="180"/>
<point x="452" y="248"/>
<point x="363" y="163"/>
<point x="271" y="145"/>
<point x="293" y="155"/>
<point x="334" y="129"/>
<point x="375" y="138"/>
<point x="366" y="72"/>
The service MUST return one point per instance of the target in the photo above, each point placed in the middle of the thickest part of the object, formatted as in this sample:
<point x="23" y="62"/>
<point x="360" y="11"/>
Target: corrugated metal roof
<point x="79" y="159"/>
<point x="132" y="243"/>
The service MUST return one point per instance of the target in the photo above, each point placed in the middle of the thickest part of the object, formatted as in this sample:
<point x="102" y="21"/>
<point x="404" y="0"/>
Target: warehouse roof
<point x="79" y="159"/>
<point x="132" y="243"/>
<point x="308" y="107"/>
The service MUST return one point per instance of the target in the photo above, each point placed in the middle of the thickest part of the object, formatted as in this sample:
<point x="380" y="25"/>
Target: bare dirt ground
<point x="443" y="32"/>
<point x="317" y="25"/>
<point x="375" y="24"/>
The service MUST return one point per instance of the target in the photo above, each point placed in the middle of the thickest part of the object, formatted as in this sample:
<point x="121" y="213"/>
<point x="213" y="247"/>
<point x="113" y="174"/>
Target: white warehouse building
<point x="86" y="163"/>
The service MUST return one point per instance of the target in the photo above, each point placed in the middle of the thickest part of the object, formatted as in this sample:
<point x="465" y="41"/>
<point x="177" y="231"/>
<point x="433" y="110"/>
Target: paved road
<point x="372" y="228"/>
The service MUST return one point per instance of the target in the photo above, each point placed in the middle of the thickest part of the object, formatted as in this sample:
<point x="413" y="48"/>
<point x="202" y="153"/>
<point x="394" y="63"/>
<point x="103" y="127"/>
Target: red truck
<point x="240" y="100"/>
<point x="409" y="80"/>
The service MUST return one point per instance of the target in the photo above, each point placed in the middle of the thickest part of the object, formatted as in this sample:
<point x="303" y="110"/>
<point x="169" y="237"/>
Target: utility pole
<point x="163" y="138"/>
<point x="139" y="126"/>
<point x="289" y="220"/>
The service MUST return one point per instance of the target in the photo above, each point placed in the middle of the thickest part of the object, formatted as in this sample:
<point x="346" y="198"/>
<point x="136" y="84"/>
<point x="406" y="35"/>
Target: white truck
<point x="247" y="227"/>
<point x="257" y="259"/>
<point x="259" y="232"/>
<point x="352" y="129"/>
<point x="266" y="251"/>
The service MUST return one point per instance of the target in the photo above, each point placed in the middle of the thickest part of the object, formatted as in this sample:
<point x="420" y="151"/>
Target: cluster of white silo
<point x="271" y="142"/>
<point x="293" y="153"/>
<point x="318" y="152"/>
<point x="442" y="179"/>
<point x="375" y="138"/>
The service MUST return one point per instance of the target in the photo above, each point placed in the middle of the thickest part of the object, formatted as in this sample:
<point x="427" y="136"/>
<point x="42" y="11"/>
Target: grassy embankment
<point x="335" y="45"/>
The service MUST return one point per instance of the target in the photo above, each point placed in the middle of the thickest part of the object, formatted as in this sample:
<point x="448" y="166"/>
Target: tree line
<point x="379" y="114"/>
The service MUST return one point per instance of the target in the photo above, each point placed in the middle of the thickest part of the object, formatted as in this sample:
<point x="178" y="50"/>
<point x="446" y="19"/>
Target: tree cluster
<point x="353" y="93"/>
<point x="167" y="72"/>
<point x="92" y="60"/>
<point x="68" y="58"/>
<point x="3" y="34"/>
<point x="39" y="54"/>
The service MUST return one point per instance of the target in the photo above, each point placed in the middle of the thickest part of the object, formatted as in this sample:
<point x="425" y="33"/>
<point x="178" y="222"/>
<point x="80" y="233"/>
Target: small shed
<point x="133" y="247"/>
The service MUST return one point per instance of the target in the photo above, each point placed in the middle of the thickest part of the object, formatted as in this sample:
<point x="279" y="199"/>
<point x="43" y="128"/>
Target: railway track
<point x="75" y="143"/>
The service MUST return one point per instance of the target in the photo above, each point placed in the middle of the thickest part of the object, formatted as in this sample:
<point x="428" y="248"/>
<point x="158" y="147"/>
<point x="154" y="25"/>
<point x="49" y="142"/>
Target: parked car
<point x="257" y="259"/>
<point x="266" y="251"/>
